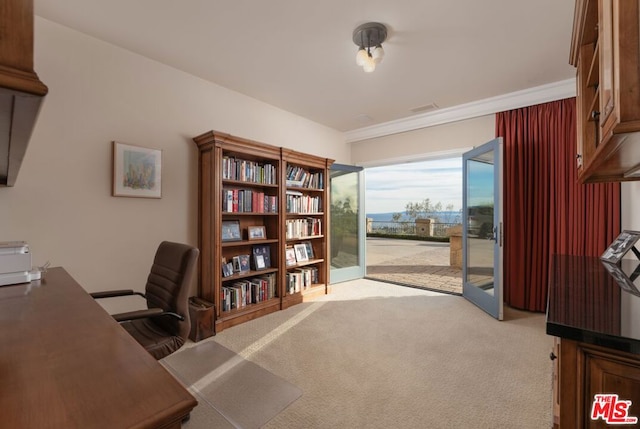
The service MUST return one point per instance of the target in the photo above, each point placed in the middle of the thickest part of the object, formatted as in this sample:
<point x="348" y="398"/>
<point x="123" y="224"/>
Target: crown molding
<point x="488" y="106"/>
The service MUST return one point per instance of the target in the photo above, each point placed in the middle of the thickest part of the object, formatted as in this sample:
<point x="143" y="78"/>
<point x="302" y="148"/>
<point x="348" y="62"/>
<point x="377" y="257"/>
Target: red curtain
<point x="546" y="211"/>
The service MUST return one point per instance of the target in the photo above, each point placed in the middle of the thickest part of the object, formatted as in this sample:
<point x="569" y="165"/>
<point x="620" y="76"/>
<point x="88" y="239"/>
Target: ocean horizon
<point x="453" y="216"/>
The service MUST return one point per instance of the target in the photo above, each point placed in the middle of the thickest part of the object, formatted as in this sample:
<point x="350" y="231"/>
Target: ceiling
<point x="298" y="55"/>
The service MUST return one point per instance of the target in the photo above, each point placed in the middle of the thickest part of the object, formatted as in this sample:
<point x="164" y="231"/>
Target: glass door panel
<point x="347" y="223"/>
<point x="482" y="234"/>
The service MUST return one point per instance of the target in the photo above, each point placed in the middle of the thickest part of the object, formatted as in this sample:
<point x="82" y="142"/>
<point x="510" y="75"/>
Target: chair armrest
<point x="143" y="314"/>
<point x="114" y="293"/>
<point x="138" y="314"/>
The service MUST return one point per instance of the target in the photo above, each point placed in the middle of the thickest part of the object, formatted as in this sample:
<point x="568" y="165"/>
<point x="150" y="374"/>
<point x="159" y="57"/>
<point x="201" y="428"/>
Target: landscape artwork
<point x="136" y="171"/>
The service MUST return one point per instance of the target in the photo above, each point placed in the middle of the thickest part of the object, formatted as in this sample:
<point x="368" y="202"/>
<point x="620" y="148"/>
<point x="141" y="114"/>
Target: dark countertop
<point x="594" y="302"/>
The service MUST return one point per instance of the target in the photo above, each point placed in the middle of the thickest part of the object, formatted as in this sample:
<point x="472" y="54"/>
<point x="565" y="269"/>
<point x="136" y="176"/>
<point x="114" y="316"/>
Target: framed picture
<point x="227" y="268"/>
<point x="231" y="230"/>
<point x="241" y="263"/>
<point x="301" y="252"/>
<point x="290" y="256"/>
<point x="620" y="246"/>
<point x="257" y="233"/>
<point x="137" y="171"/>
<point x="261" y="256"/>
<point x="244" y="263"/>
<point x="309" y="247"/>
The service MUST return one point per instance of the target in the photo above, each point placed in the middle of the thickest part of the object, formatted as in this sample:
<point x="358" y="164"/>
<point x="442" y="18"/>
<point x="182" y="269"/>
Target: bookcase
<point x="305" y="226"/>
<point x="262" y="217"/>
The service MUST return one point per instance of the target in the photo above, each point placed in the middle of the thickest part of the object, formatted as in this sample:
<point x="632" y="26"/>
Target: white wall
<point x="422" y="143"/>
<point x="62" y="204"/>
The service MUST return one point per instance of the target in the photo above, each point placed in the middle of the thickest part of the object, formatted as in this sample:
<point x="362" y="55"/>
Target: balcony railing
<point x="432" y="229"/>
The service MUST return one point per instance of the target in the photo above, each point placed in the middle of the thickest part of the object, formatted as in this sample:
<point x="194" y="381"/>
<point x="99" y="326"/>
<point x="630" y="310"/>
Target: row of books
<point x="247" y="292"/>
<point x="301" y="279"/>
<point x="303" y="203"/>
<point x="248" y="201"/>
<point x="301" y="178"/>
<point x="300" y="228"/>
<point x="248" y="171"/>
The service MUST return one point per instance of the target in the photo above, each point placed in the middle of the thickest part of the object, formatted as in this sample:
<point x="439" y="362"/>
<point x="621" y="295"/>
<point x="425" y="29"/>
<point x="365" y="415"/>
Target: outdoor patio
<point x="414" y="263"/>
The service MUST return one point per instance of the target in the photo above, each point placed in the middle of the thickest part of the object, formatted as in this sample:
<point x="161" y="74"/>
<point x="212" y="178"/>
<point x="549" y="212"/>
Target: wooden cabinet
<point x="21" y="91"/>
<point x="606" y="52"/>
<point x="584" y="370"/>
<point x="243" y="222"/>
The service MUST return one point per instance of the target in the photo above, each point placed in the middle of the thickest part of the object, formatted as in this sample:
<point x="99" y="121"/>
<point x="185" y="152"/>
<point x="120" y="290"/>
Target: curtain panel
<point x="546" y="210"/>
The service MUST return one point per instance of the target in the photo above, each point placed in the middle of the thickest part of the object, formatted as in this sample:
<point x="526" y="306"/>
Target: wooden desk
<point x="65" y="363"/>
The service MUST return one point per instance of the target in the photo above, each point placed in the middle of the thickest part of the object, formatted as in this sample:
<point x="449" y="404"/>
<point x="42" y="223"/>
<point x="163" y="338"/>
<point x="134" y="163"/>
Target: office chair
<point x="164" y="326"/>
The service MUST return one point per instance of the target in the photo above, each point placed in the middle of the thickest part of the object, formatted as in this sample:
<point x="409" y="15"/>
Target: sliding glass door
<point x="347" y="236"/>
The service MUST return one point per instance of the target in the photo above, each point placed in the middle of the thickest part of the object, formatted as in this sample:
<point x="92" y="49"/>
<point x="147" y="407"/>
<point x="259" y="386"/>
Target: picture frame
<point x="301" y="252"/>
<point x="137" y="171"/>
<point x="261" y="256"/>
<point x="227" y="268"/>
<point x="244" y="263"/>
<point x="256" y="233"/>
<point x="621" y="245"/>
<point x="290" y="254"/>
<point x="231" y="230"/>
<point x="309" y="248"/>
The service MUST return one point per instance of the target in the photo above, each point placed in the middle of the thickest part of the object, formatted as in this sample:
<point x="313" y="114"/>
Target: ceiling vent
<point x="425" y="108"/>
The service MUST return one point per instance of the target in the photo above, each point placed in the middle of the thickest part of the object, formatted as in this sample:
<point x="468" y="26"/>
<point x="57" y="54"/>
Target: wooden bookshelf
<point x="242" y="184"/>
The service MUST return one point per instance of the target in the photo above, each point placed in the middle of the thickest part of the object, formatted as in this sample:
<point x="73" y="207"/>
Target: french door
<point x="482" y="240"/>
<point x="347" y="231"/>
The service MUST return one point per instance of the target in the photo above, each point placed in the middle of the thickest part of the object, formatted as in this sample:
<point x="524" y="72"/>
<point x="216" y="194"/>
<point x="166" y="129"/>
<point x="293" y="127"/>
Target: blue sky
<point x="389" y="189"/>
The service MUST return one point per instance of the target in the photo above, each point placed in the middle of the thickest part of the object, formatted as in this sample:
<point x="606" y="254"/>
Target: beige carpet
<point x="375" y="355"/>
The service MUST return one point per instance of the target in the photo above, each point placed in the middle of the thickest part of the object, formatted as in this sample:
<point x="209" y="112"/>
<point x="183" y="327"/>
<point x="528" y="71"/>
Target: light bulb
<point x="378" y="54"/>
<point x="369" y="65"/>
<point x="361" y="57"/>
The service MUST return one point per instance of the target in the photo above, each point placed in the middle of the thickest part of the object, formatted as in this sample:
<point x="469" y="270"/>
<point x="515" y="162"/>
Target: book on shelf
<point x="303" y="203"/>
<point x="301" y="279"/>
<point x="300" y="177"/>
<point x="242" y="293"/>
<point x="248" y="201"/>
<point x="248" y="171"/>
<point x="300" y="228"/>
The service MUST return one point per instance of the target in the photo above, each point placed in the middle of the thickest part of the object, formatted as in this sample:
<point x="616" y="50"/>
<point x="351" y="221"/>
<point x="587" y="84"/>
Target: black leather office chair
<point x="164" y="326"/>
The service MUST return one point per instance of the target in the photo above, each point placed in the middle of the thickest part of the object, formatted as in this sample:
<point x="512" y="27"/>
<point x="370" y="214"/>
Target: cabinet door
<point x="609" y="375"/>
<point x="605" y="47"/>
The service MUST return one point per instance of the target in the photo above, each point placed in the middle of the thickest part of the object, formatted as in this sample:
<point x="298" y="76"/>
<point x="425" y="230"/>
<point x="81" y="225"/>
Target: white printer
<point x="15" y="262"/>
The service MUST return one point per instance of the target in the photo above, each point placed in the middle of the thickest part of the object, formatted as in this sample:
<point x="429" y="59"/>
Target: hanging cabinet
<point x="605" y="50"/>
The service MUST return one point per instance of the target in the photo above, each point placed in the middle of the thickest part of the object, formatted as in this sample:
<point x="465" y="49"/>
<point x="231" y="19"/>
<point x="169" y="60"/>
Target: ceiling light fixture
<point x="369" y="38"/>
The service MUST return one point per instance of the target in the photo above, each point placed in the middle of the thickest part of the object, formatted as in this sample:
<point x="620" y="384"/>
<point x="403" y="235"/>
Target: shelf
<point x="304" y="214"/>
<point x="236" y="312"/>
<point x="249" y="214"/>
<point x="241" y="184"/>
<point x="309" y="237"/>
<point x="248" y="274"/>
<point x="593" y="76"/>
<point x="305" y="263"/>
<point x="299" y="189"/>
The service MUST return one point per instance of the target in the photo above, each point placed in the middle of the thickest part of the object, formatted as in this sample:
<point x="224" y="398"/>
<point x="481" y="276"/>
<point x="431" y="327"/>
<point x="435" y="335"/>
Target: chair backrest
<point x="168" y="285"/>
